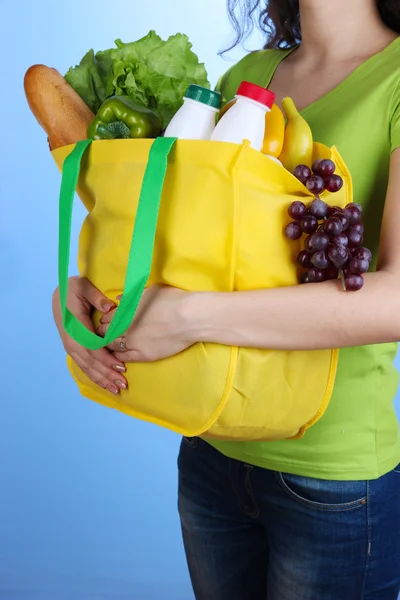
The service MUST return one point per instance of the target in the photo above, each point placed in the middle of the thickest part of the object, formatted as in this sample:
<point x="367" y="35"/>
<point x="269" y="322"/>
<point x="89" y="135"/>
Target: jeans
<point x="254" y="534"/>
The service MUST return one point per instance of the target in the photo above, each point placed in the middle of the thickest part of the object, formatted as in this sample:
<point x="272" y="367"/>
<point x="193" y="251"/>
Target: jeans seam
<point x="256" y="511"/>
<point x="345" y="507"/>
<point x="230" y="465"/>
<point x="369" y="539"/>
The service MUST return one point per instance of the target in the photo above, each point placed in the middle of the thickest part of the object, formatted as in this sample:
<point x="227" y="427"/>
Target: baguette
<point x="57" y="107"/>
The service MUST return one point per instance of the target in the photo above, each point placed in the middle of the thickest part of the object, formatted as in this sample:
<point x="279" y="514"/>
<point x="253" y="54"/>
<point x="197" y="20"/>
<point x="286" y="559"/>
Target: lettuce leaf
<point x="152" y="72"/>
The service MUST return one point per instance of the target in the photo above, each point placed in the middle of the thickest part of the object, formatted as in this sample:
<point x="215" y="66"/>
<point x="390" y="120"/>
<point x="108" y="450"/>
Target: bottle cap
<point x="203" y="95"/>
<point x="257" y="93"/>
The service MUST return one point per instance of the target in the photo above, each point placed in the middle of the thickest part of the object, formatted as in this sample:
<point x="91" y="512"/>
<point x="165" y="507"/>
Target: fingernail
<point x="121" y="384"/>
<point x="107" y="306"/>
<point x="119" y="368"/>
<point x="114" y="390"/>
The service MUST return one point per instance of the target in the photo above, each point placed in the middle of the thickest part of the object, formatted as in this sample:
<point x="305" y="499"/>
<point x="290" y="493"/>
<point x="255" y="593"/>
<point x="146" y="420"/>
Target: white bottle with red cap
<point x="245" y="120"/>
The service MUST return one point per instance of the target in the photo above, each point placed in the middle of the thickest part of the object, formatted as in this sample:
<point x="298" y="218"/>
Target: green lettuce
<point x="152" y="72"/>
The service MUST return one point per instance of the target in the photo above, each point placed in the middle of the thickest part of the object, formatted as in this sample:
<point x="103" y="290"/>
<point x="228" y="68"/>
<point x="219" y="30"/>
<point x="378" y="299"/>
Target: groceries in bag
<point x="195" y="120"/>
<point x="152" y="73"/>
<point x="205" y="216"/>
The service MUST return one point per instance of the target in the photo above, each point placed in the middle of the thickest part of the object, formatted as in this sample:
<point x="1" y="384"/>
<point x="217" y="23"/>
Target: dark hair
<point x="280" y="20"/>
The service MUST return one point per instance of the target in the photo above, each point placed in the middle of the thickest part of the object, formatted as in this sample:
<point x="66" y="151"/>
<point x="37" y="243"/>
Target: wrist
<point x="197" y="314"/>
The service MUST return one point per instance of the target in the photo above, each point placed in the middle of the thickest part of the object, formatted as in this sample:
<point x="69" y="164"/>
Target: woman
<point x="317" y="518"/>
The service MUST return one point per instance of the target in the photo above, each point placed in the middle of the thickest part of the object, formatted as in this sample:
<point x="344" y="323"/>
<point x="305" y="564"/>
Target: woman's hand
<point x="159" y="329"/>
<point x="99" y="365"/>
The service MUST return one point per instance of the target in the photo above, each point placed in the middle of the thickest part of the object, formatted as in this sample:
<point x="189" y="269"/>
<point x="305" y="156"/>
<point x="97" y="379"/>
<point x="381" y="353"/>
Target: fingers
<point x="130" y="356"/>
<point x="107" y="317"/>
<point x="118" y="345"/>
<point x="101" y="367"/>
<point x="94" y="296"/>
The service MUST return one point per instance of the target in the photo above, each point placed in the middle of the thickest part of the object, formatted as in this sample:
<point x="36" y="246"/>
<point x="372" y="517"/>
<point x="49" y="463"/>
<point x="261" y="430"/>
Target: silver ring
<point x="122" y="343"/>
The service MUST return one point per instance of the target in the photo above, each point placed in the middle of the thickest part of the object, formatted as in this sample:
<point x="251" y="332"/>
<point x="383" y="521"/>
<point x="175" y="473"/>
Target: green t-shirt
<point x="358" y="437"/>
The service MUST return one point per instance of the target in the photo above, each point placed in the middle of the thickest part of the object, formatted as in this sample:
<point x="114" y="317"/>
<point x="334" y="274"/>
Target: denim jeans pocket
<point x="323" y="494"/>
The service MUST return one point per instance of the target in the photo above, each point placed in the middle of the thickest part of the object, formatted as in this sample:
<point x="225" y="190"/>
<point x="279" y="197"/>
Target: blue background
<point x="88" y="496"/>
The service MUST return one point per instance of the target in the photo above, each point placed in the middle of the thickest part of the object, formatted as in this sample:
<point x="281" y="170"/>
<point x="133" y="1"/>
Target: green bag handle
<point x="142" y="245"/>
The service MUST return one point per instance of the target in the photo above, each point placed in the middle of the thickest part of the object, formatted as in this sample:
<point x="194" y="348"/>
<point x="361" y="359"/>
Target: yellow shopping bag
<point x="200" y="216"/>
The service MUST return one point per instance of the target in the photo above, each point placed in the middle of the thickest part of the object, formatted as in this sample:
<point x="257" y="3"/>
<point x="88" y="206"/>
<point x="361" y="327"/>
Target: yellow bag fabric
<point x="220" y="227"/>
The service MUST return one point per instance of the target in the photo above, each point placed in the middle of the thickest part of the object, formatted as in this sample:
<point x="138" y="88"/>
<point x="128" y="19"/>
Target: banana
<point x="298" y="142"/>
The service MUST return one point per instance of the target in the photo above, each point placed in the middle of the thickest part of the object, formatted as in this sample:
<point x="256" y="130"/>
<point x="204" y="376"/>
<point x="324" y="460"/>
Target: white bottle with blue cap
<point x="196" y="119"/>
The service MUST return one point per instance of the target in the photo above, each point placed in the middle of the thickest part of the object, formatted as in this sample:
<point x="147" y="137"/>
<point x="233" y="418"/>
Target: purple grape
<point x="359" y="227"/>
<point x="355" y="238"/>
<point x="340" y="240"/>
<point x="326" y="168"/>
<point x="307" y="245"/>
<point x="315" y="166"/>
<point x="332" y="272"/>
<point x="320" y="260"/>
<point x="316" y="275"/>
<point x="333" y="209"/>
<point x="355" y="205"/>
<point x="353" y="213"/>
<point x="338" y="255"/>
<point x="297" y="210"/>
<point x="302" y="173"/>
<point x="333" y="227"/>
<point x="354" y="283"/>
<point x="333" y="183"/>
<point x="342" y="218"/>
<point x="362" y="253"/>
<point x="315" y="184"/>
<point x="304" y="278"/>
<point x="319" y="241"/>
<point x="358" y="266"/>
<point x="293" y="231"/>
<point x="308" y="224"/>
<point x="318" y="208"/>
<point x="304" y="259"/>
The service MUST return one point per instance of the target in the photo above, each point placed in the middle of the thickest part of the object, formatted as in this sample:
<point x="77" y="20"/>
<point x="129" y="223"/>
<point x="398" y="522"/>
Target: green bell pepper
<point x="119" y="117"/>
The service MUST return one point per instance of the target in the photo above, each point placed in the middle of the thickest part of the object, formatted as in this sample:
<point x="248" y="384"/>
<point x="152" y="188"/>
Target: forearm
<point x="304" y="317"/>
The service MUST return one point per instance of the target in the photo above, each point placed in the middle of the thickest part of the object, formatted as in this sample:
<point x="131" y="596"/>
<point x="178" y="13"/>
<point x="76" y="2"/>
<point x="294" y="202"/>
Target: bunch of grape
<point x="335" y="236"/>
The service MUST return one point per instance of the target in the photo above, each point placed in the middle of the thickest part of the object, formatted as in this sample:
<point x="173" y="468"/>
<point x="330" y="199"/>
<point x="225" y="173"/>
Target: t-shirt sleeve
<point x="395" y="121"/>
